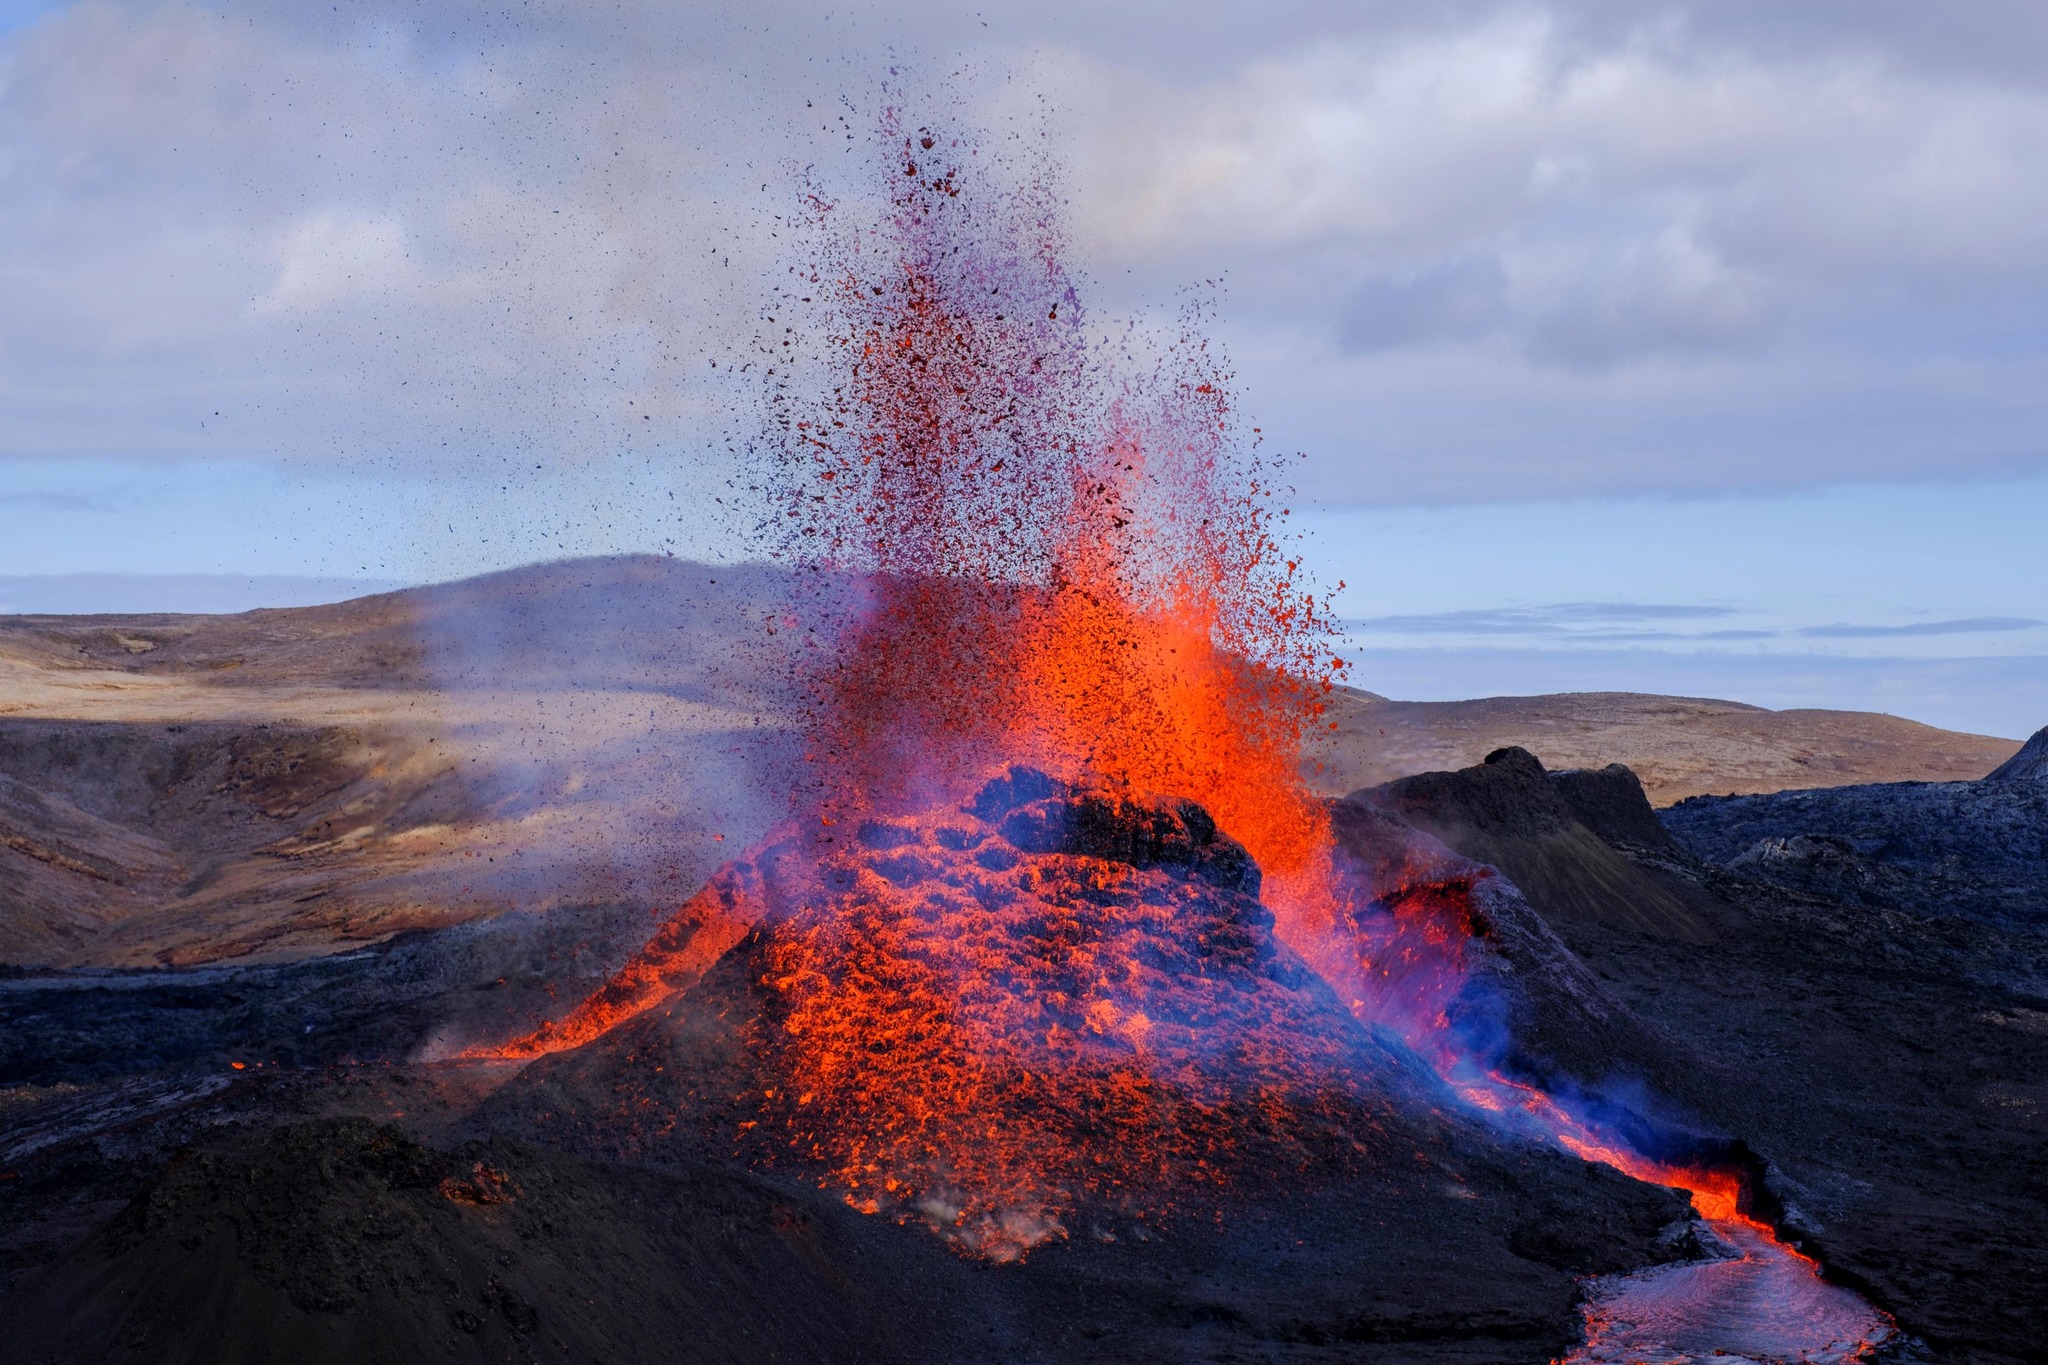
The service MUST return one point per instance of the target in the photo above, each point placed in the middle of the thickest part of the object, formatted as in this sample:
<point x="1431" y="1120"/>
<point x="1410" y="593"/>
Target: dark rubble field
<point x="1888" y="1064"/>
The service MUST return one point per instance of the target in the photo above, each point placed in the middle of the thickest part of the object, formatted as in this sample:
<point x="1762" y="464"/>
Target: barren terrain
<point x="266" y="881"/>
<point x="277" y="784"/>
<point x="1678" y="746"/>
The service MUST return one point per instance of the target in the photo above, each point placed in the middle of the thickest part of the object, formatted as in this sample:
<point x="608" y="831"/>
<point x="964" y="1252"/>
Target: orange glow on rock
<point x="1048" y="1000"/>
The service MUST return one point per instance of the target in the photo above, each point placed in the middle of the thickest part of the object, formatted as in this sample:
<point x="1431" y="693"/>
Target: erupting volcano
<point x="1056" y="563"/>
<point x="1047" y="1003"/>
<point x="1056" y="944"/>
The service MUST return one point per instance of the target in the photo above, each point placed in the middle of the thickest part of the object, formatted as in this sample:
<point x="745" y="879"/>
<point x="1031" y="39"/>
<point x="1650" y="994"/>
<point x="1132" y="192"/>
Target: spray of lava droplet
<point x="1026" y="546"/>
<point x="1069" y="561"/>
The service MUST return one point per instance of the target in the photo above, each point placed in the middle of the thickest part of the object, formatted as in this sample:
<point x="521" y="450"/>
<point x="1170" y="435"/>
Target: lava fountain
<point x="1056" y="926"/>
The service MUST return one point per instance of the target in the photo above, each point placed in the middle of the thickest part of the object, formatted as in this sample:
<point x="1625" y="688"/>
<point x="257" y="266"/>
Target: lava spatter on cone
<point x="1047" y="1003"/>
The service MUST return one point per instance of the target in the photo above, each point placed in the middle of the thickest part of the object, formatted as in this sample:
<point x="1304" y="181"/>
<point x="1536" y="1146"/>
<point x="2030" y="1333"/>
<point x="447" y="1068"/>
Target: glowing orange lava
<point x="1048" y="1000"/>
<point x="1068" y="566"/>
<point x="1003" y="964"/>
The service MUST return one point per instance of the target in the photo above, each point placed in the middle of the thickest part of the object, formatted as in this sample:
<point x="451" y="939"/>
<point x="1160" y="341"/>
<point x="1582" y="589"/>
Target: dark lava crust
<point x="337" y="1240"/>
<point x="1870" y="1011"/>
<point x="1885" y="1058"/>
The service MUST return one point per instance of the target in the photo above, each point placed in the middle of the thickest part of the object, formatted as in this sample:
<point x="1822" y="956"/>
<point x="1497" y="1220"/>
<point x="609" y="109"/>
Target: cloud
<point x="330" y="259"/>
<point x="373" y="239"/>
<point x="1973" y="625"/>
<point x="1577" y="619"/>
<point x="1457" y="300"/>
<point x="1575" y="306"/>
<point x="58" y="500"/>
<point x="1650" y="297"/>
<point x="1577" y="248"/>
<point x="1606" y="624"/>
<point x="1699" y="184"/>
<point x="1475" y="250"/>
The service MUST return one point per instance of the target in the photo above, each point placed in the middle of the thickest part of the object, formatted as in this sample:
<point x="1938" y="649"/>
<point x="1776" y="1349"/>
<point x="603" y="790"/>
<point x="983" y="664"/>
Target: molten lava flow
<point x="1764" y="1300"/>
<point x="1760" y="1301"/>
<point x="687" y="943"/>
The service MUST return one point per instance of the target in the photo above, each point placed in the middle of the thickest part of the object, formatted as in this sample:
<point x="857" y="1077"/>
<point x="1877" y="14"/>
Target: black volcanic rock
<point x="1885" y="1065"/>
<point x="2030" y="764"/>
<point x="1307" y="1183"/>
<point x="1868" y="1020"/>
<point x="1881" y="1058"/>
<point x="1978" y="849"/>
<point x="1510" y="814"/>
<point x="1040" y="815"/>
<point x="339" y="1241"/>
<point x="1610" y="802"/>
<point x="1872" y="1031"/>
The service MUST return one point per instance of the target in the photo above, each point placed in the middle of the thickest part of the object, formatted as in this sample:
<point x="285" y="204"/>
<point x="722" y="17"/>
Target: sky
<point x="1692" y="347"/>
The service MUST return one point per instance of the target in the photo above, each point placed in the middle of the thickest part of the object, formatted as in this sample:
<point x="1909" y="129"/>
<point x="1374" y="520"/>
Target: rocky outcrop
<point x="2030" y="764"/>
<point x="1509" y="813"/>
<point x="1977" y="849"/>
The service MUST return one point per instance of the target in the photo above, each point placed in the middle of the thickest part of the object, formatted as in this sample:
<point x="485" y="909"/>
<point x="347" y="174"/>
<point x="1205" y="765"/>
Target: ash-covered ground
<point x="1874" y="1041"/>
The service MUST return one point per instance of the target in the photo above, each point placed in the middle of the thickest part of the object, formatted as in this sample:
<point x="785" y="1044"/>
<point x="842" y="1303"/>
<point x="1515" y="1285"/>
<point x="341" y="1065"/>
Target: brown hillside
<point x="277" y="784"/>
<point x="1678" y="746"/>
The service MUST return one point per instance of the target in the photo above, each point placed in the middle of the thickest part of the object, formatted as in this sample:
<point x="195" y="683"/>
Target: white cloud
<point x="330" y="259"/>
<point x="1473" y="249"/>
<point x="1707" y="175"/>
<point x="359" y="245"/>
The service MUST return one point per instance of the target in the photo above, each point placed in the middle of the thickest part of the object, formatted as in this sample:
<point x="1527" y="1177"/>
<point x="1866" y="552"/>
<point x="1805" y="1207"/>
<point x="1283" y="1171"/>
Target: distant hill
<point x="1678" y="746"/>
<point x="282" y="783"/>
<point x="2030" y="764"/>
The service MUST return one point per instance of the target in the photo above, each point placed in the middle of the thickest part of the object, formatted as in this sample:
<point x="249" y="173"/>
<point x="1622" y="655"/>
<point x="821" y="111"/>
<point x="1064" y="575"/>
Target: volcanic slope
<point x="280" y="784"/>
<point x="1195" y="1147"/>
<point x="1504" y="813"/>
<point x="1885" y="1063"/>
<point x="340" y="1241"/>
<point x="2029" y="764"/>
<point x="1054" y="1027"/>
<point x="1883" y="1055"/>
